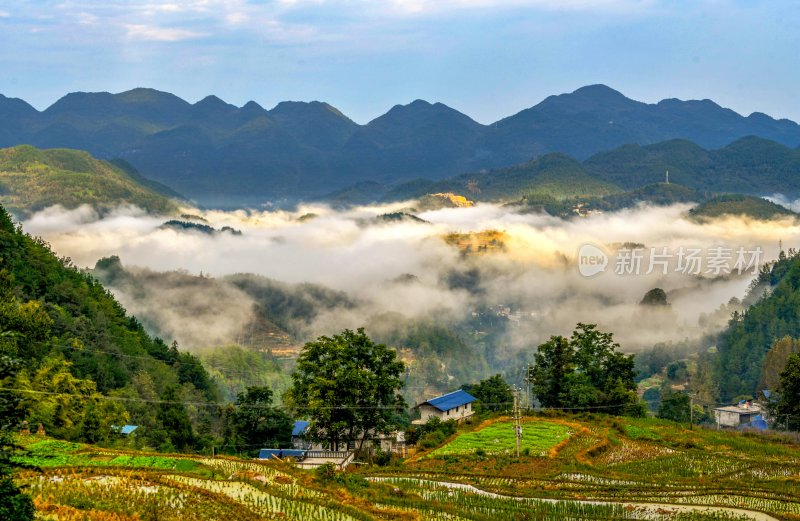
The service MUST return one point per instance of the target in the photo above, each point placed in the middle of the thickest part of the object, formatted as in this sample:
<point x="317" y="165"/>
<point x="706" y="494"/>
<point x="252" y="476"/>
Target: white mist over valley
<point x="407" y="269"/>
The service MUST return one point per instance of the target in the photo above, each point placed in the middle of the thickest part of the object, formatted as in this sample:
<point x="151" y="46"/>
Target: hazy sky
<point x="487" y="58"/>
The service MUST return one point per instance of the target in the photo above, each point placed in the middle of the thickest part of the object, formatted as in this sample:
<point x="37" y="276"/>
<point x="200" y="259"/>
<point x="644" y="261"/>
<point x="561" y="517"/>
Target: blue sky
<point x="486" y="58"/>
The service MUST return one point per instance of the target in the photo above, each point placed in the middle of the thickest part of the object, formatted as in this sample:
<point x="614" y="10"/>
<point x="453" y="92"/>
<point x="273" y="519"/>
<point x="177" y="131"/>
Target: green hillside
<point x="737" y="204"/>
<point x="555" y="175"/>
<point x="630" y="173"/>
<point x="750" y="165"/>
<point x="85" y="364"/>
<point x="744" y="345"/>
<point x="657" y="194"/>
<point x="32" y="179"/>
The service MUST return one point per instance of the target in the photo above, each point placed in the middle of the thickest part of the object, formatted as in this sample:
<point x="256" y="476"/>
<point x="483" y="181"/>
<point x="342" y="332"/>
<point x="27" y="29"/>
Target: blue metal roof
<point x="300" y="427"/>
<point x="125" y="429"/>
<point x="449" y="401"/>
<point x="281" y="453"/>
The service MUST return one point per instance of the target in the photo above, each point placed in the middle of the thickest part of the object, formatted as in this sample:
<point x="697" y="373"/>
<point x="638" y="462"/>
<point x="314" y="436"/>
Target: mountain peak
<point x="420" y="108"/>
<point x="598" y="91"/>
<point x="590" y="98"/>
<point x="212" y="102"/>
<point x="15" y="107"/>
<point x="286" y="109"/>
<point x="143" y="95"/>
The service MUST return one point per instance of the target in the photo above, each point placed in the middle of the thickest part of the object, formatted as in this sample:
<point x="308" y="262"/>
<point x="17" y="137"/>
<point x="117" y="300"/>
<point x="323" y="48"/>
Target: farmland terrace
<point x="571" y="467"/>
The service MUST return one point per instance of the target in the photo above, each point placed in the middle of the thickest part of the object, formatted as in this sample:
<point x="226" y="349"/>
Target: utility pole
<point x="528" y="389"/>
<point x="691" y="411"/>
<point x="517" y="423"/>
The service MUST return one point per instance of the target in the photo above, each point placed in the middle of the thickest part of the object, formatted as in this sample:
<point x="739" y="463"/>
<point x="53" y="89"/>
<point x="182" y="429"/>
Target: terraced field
<point x="575" y="468"/>
<point x="628" y="462"/>
<point x="498" y="438"/>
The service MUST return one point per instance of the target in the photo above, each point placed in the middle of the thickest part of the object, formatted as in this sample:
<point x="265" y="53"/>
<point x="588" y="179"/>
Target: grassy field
<point x="575" y="468"/>
<point x="499" y="438"/>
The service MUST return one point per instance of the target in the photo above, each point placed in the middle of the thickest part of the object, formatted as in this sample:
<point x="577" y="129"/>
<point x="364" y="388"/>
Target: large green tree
<point x="585" y="371"/>
<point x="787" y="410"/>
<point x="675" y="406"/>
<point x="493" y="394"/>
<point x="255" y="423"/>
<point x="348" y="387"/>
<point x="14" y="504"/>
<point x="554" y="360"/>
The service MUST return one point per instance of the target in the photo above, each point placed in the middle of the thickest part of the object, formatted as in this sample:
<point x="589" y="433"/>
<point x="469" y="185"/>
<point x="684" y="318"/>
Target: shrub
<point x="382" y="458"/>
<point x="325" y="472"/>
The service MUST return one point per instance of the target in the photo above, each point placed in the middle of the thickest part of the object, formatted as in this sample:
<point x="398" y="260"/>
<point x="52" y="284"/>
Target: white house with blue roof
<point x="451" y="406"/>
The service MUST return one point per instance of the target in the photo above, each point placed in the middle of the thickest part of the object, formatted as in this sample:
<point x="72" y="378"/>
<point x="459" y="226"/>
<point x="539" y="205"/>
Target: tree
<point x="14" y="504"/>
<point x="175" y="420"/>
<point x="492" y="393"/>
<point x="255" y="423"/>
<point x="775" y="361"/>
<point x="675" y="407"/>
<point x="553" y="362"/>
<point x="788" y="406"/>
<point x="348" y="388"/>
<point x="585" y="372"/>
<point x="655" y="297"/>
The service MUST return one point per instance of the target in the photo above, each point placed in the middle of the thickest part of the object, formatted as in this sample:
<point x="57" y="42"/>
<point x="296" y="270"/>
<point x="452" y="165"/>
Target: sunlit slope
<point x="32" y="179"/>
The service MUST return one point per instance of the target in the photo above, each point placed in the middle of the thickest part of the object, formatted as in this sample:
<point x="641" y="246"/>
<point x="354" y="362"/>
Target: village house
<point x="743" y="415"/>
<point x="393" y="441"/>
<point x="451" y="406"/>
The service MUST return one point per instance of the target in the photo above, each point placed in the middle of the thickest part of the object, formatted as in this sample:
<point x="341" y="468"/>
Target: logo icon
<point x="591" y="260"/>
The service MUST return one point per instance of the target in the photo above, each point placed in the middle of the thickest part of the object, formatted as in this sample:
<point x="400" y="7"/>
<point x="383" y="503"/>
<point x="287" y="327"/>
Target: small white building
<point x="451" y="406"/>
<point x="736" y="416"/>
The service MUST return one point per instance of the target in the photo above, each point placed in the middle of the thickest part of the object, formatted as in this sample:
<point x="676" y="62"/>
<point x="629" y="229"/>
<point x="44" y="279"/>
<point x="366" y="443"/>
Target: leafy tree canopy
<point x="493" y="394"/>
<point x="787" y="409"/>
<point x="348" y="386"/>
<point x="255" y="423"/>
<point x="585" y="372"/>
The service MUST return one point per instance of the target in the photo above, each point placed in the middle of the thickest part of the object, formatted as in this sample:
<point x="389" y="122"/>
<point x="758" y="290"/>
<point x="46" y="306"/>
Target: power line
<point x="226" y="404"/>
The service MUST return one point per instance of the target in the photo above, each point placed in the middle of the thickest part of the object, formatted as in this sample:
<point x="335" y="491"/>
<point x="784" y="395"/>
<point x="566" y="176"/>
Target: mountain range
<point x="220" y="154"/>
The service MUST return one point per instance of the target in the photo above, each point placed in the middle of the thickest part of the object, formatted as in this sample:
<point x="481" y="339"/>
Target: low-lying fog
<point x="535" y="276"/>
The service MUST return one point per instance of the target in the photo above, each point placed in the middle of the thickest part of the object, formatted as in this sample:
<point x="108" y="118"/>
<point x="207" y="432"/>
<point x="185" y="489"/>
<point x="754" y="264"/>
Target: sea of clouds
<point x="536" y="275"/>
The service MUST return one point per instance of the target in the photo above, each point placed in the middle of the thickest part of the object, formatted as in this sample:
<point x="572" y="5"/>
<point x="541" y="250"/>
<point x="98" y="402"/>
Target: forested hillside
<point x="737" y="204"/>
<point x="85" y="364"/>
<point x="555" y="175"/>
<point x="750" y="335"/>
<point x="32" y="179"/>
<point x="675" y="170"/>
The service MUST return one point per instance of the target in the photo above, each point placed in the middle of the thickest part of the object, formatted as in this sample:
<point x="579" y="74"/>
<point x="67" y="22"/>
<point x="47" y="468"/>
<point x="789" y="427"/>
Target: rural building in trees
<point x="451" y="406"/>
<point x="743" y="415"/>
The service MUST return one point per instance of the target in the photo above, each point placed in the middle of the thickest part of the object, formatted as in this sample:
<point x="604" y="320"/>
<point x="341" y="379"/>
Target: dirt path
<point x="653" y="509"/>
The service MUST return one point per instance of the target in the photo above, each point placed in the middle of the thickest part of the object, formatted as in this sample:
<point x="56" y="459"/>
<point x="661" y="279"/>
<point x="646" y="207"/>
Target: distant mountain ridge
<point x="221" y="154"/>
